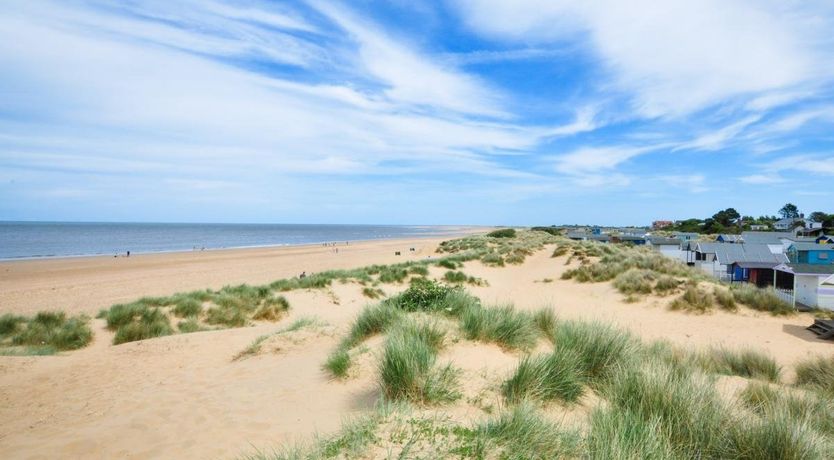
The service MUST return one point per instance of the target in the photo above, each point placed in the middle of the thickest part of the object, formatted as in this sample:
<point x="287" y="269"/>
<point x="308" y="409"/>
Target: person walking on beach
<point x="128" y="253"/>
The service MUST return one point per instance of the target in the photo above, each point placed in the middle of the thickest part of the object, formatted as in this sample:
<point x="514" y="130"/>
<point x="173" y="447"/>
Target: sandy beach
<point x="184" y="396"/>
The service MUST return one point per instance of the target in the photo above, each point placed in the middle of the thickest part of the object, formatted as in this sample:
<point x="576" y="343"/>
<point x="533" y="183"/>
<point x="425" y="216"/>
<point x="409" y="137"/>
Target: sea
<point x="29" y="240"/>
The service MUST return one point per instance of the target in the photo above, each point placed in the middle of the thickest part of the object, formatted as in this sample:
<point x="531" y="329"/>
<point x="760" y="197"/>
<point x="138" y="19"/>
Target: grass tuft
<point x="272" y="309"/>
<point x="725" y="299"/>
<point x="635" y="281"/>
<point x="150" y="323"/>
<point x="600" y="348"/>
<point x="338" y="363"/>
<point x="760" y="299"/>
<point x="502" y="325"/>
<point x="817" y="373"/>
<point x="693" y="299"/>
<point x="744" y="363"/>
<point x="520" y="433"/>
<point x="49" y="331"/>
<point x="545" y="320"/>
<point x="546" y="377"/>
<point x="407" y="369"/>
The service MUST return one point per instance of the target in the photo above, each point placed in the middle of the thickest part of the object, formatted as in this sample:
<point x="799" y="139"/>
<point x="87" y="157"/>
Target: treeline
<point x="730" y="221"/>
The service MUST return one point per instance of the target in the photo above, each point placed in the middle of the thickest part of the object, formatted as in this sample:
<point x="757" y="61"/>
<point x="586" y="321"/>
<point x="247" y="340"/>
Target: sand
<point x="185" y="396"/>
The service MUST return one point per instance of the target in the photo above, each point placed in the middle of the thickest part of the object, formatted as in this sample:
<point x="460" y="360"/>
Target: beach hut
<point x="805" y="286"/>
<point x="811" y="253"/>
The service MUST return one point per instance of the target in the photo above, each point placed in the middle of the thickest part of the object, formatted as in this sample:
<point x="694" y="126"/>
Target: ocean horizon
<point x="35" y="240"/>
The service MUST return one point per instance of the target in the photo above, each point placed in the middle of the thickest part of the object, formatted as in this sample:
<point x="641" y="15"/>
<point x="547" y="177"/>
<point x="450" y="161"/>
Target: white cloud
<point x="812" y="164"/>
<point x="760" y="179"/>
<point x="716" y="139"/>
<point x="674" y="57"/>
<point x="592" y="159"/>
<point x="412" y="78"/>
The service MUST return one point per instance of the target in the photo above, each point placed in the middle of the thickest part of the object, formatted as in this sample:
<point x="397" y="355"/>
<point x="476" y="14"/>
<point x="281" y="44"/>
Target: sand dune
<point x="184" y="396"/>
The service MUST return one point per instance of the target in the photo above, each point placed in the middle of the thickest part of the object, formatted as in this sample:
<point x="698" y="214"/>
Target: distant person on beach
<point x="128" y="253"/>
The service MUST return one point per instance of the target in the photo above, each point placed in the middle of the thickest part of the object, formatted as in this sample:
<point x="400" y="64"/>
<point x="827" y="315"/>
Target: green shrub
<point x="503" y="233"/>
<point x="550" y="230"/>
<point x="546" y="377"/>
<point x="744" y="363"/>
<point x="422" y="295"/>
<point x="502" y="325"/>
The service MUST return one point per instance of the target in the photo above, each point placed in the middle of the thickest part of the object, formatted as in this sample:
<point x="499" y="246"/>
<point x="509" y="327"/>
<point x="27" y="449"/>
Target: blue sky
<point x="458" y="112"/>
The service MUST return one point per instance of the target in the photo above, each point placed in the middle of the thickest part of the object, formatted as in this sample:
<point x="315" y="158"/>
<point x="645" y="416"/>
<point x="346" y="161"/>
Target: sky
<point x="523" y="112"/>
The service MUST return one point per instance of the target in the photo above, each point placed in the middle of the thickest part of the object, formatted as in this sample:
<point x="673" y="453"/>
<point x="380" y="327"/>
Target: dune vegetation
<point x="45" y="333"/>
<point x="636" y="271"/>
<point x="644" y="400"/>
<point x="239" y="306"/>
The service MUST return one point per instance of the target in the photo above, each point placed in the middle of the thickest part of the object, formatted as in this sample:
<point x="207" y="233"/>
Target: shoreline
<point x="459" y="232"/>
<point x="90" y="283"/>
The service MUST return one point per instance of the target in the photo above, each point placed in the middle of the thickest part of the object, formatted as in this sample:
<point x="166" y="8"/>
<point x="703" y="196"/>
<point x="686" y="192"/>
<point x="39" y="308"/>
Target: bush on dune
<point x="503" y="233"/>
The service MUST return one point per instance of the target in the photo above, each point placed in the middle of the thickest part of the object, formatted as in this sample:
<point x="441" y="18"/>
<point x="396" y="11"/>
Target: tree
<point x="789" y="211"/>
<point x="726" y="217"/>
<point x="818" y="216"/>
